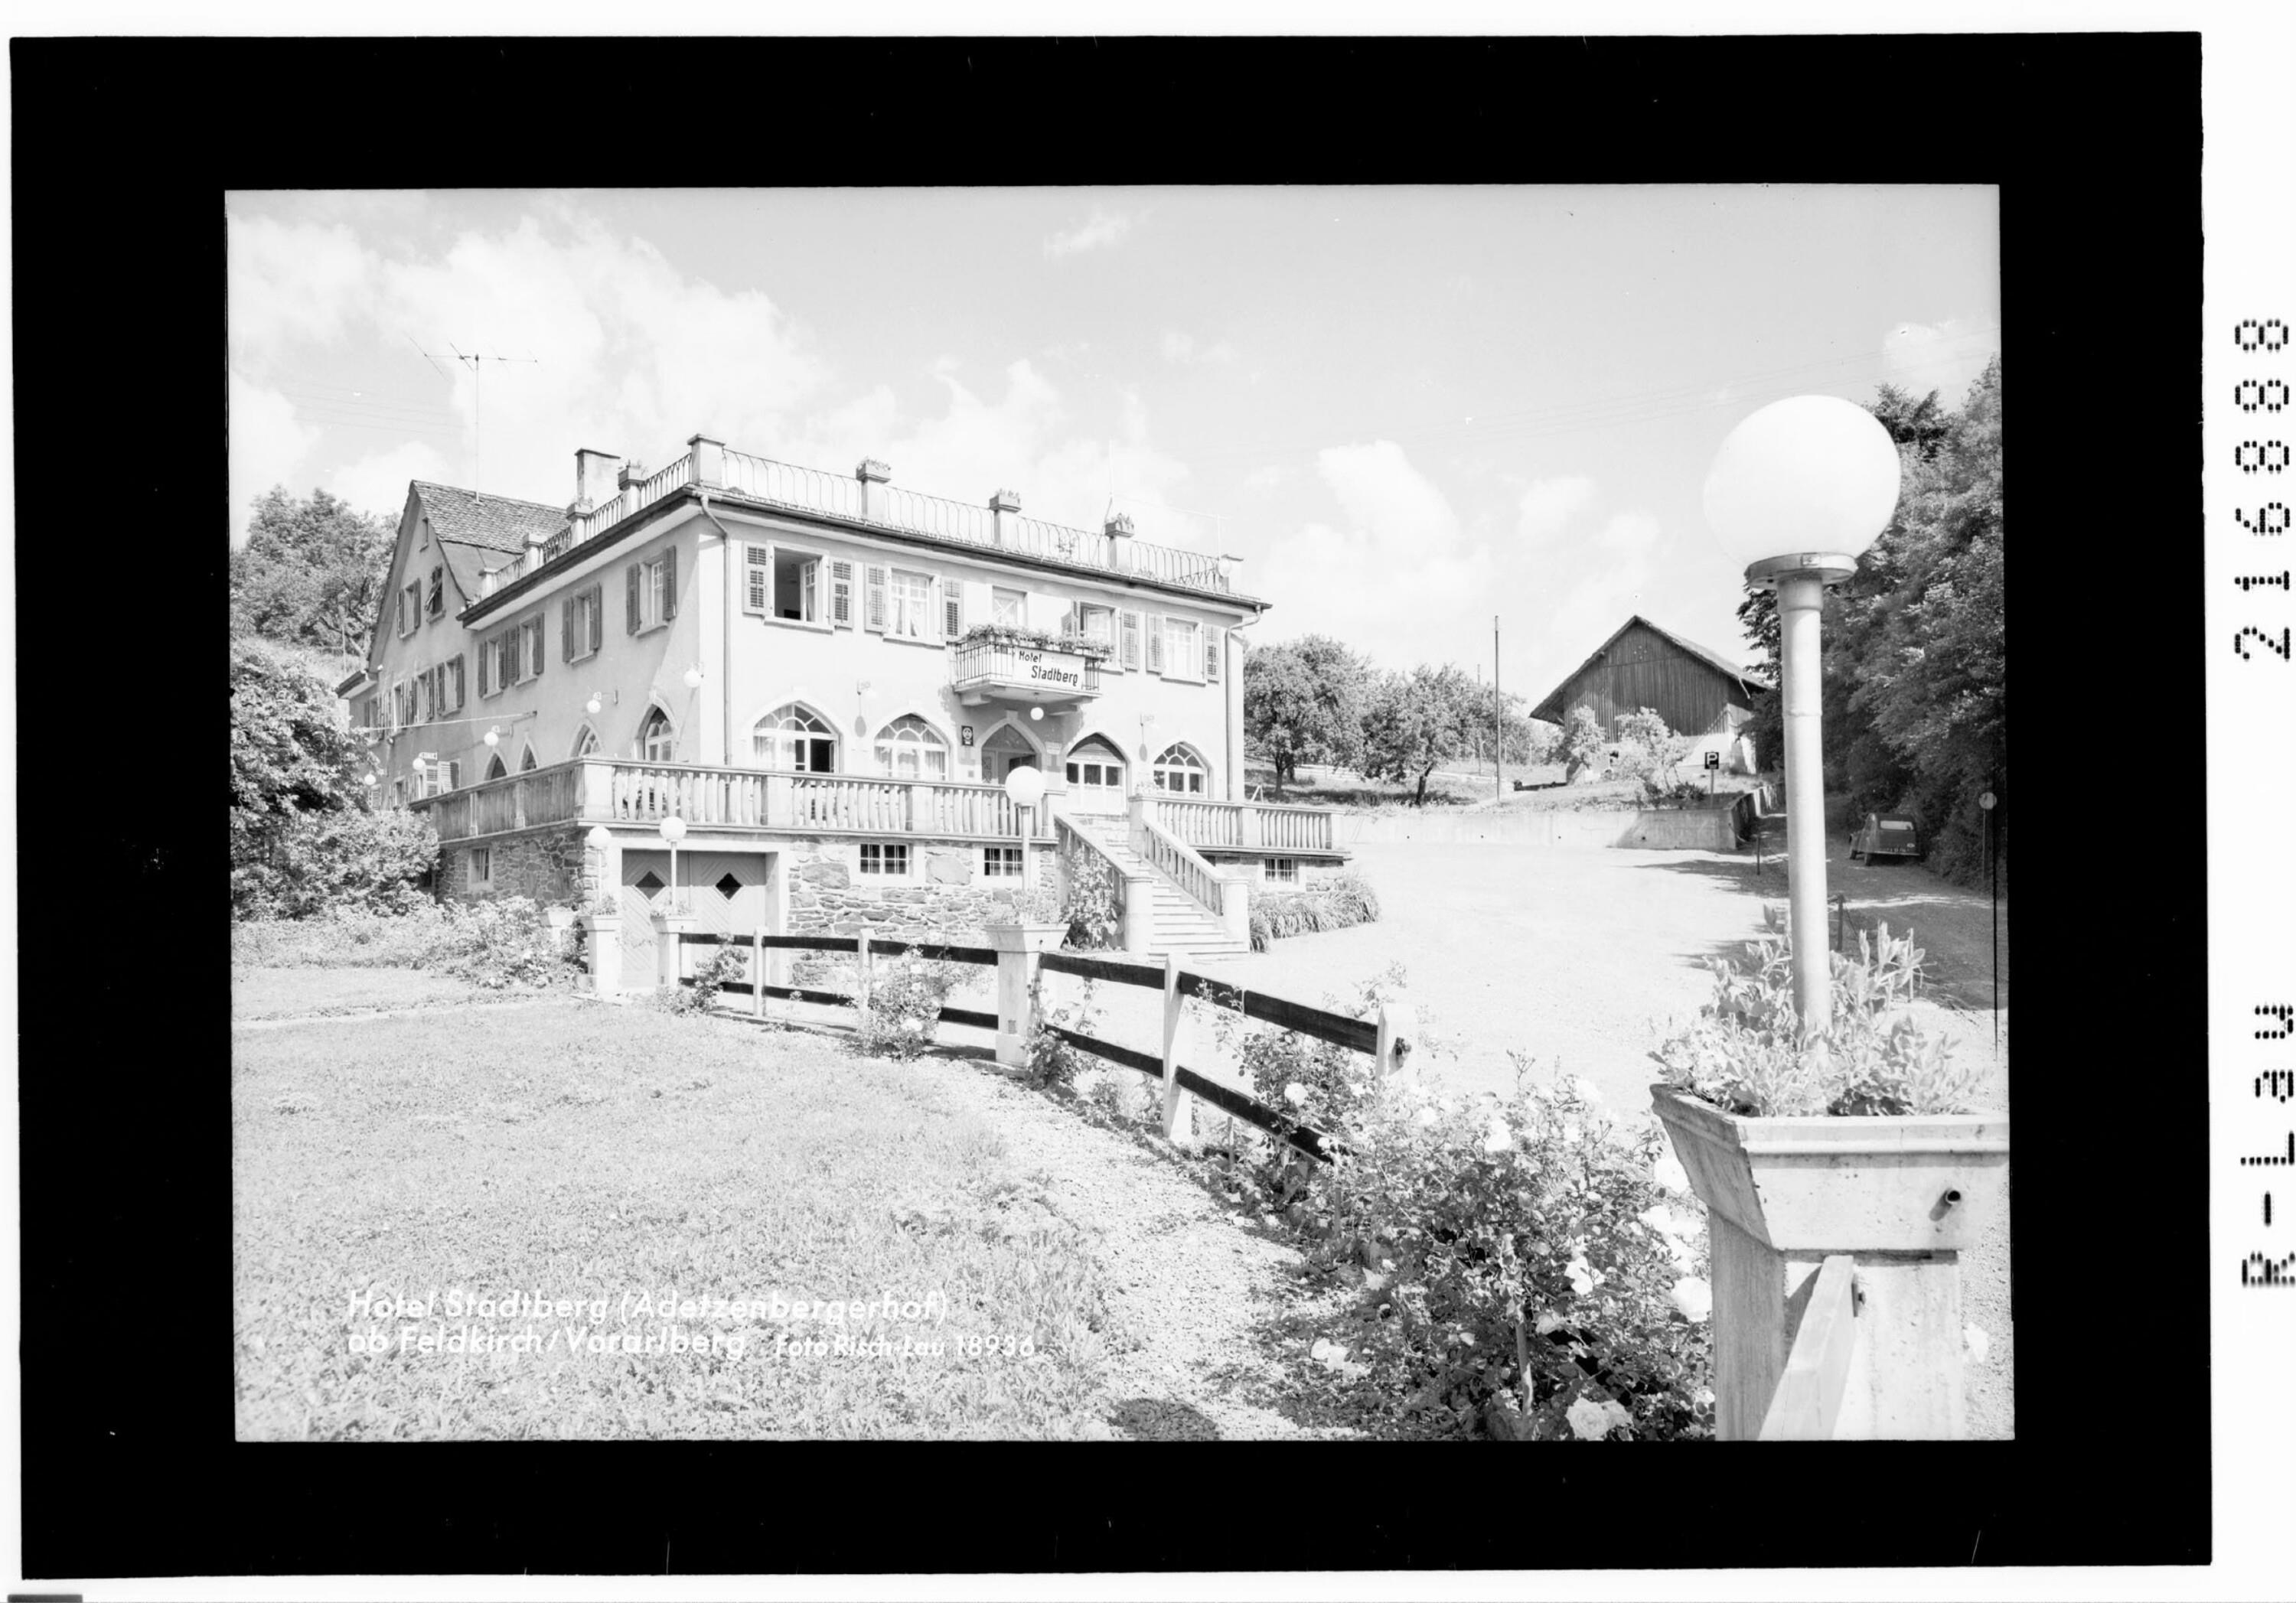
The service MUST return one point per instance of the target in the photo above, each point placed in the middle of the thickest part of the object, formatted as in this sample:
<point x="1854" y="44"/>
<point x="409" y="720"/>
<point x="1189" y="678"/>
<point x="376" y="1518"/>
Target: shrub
<point x="1038" y="905"/>
<point x="1524" y="1253"/>
<point x="507" y="941"/>
<point x="1092" y="904"/>
<point x="727" y="962"/>
<point x="1649" y="752"/>
<point x="1747" y="1052"/>
<point x="1582" y="742"/>
<point x="346" y="858"/>
<point x="1053" y="1064"/>
<point x="424" y="937"/>
<point x="1337" y="902"/>
<point x="901" y="1008"/>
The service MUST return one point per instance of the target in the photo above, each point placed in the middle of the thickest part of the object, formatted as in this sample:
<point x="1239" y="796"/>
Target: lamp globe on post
<point x="1026" y="787"/>
<point x="672" y="830"/>
<point x="1797" y="490"/>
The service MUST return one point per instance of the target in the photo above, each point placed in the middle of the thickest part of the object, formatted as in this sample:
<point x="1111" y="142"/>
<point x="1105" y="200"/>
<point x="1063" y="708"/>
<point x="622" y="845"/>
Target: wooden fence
<point x="1388" y="1040"/>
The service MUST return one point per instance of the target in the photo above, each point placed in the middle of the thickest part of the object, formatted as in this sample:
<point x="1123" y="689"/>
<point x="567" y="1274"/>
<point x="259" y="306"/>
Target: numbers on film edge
<point x="2278" y="1084"/>
<point x="2272" y="519"/>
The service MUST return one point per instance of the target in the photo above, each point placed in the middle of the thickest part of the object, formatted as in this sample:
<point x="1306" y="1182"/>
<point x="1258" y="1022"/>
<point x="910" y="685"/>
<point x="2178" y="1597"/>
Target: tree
<point x="302" y="836"/>
<point x="1648" y="751"/>
<point x="311" y="572"/>
<point x="1418" y="722"/>
<point x="1303" y="701"/>
<point x="1583" y="742"/>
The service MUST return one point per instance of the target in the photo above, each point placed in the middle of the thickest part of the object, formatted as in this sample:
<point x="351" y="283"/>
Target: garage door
<point x="728" y="893"/>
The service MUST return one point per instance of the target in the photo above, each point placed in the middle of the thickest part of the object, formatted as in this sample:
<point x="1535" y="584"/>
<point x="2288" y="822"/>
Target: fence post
<point x="1398" y="1030"/>
<point x="670" y="928"/>
<point x="605" y="943"/>
<point x="866" y="968"/>
<point x="1139" y="915"/>
<point x="1236" y="908"/>
<point x="1018" y="948"/>
<point x="1179" y="1126"/>
<point x="758" y="972"/>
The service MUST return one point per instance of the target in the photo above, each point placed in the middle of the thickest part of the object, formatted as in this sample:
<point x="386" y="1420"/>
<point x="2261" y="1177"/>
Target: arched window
<point x="910" y="748"/>
<point x="1182" y="772"/>
<point x="526" y="763"/>
<point x="585" y="743"/>
<point x="657" y="740"/>
<point x="795" y="739"/>
<point x="1095" y="769"/>
<point x="495" y="769"/>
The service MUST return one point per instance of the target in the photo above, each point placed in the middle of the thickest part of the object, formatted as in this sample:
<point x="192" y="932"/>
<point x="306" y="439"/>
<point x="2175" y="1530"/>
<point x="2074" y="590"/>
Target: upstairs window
<point x="650" y="590"/>
<point x="494" y="768"/>
<point x="910" y="748"/>
<point x="527" y="764"/>
<point x="410" y="608"/>
<point x="657" y="740"/>
<point x="1008" y="608"/>
<point x="437" y="591"/>
<point x="909" y="614"/>
<point x="585" y="743"/>
<point x="1182" y="648"/>
<point x="794" y="739"/>
<point x="531" y="655"/>
<point x="581" y="623"/>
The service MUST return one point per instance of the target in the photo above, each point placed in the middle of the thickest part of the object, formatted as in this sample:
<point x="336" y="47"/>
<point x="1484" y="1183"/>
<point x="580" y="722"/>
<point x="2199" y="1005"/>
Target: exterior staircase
<point x="1181" y="925"/>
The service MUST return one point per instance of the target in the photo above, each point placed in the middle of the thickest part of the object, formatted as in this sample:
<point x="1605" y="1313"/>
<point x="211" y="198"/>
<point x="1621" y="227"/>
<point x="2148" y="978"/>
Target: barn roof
<point x="1553" y="711"/>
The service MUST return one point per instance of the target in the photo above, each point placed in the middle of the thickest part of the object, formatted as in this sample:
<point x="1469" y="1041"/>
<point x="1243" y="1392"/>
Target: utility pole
<point x="1498" y="721"/>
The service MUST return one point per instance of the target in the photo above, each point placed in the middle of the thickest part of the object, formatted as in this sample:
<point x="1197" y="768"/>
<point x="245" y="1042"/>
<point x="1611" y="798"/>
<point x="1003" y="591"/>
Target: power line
<point x="473" y="360"/>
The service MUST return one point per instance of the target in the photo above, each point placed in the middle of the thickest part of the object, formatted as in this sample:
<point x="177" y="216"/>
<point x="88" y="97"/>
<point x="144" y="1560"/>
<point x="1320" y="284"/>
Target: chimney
<point x="1119" y="541"/>
<point x="877" y="506"/>
<point x="708" y="459"/>
<point x="1004" y="512"/>
<point x="594" y="479"/>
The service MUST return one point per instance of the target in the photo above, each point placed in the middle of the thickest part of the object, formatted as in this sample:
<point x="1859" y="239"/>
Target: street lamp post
<point x="672" y="830"/>
<point x="1797" y="490"/>
<point x="1026" y="787"/>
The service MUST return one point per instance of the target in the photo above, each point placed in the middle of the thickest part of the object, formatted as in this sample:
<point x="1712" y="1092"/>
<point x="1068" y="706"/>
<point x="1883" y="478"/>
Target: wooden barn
<point x="1698" y="691"/>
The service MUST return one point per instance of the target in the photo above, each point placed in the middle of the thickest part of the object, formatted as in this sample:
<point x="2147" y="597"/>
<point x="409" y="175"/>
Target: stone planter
<point x="1903" y="1196"/>
<point x="605" y="951"/>
<point x="1017" y="947"/>
<point x="668" y="924"/>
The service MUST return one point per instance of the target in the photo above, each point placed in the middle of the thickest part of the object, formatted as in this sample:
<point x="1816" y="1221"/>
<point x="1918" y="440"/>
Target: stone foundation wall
<point x="550" y="867"/>
<point x="944" y="897"/>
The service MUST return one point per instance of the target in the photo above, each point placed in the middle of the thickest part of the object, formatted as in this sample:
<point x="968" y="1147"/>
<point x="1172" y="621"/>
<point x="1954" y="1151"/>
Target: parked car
<point x="1886" y="835"/>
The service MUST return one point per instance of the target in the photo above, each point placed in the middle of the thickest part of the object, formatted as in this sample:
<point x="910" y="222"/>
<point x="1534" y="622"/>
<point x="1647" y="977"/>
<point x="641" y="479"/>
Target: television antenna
<point x="474" y="361"/>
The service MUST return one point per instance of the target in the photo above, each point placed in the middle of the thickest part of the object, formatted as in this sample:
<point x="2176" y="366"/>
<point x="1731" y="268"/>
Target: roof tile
<point x="495" y="522"/>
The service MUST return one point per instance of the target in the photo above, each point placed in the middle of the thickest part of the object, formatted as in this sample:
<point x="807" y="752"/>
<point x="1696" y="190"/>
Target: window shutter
<point x="541" y="647"/>
<point x="874" y="581"/>
<point x="635" y="576"/>
<point x="454" y="771"/>
<point x="1128" y="639"/>
<point x="1215" y="643"/>
<point x="841" y="594"/>
<point x="437" y="589"/>
<point x="454" y="676"/>
<point x="952" y="608"/>
<point x="758" y="565"/>
<point x="670" y="584"/>
<point x="486" y="665"/>
<point x="1155" y="645"/>
<point x="566" y="630"/>
<point x="597" y="618"/>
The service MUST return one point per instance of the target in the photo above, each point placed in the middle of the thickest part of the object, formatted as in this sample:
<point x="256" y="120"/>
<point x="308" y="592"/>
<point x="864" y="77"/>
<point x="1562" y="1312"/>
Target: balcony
<point x="615" y="791"/>
<point x="612" y="792"/>
<point x="1011" y="669"/>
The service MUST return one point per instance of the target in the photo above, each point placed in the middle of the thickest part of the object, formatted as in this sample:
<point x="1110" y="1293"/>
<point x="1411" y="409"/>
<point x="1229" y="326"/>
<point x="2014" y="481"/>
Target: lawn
<point x="264" y="994"/>
<point x="620" y="1159"/>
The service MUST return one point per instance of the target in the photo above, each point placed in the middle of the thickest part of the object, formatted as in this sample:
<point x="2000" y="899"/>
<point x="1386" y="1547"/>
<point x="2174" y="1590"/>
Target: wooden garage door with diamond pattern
<point x="728" y="893"/>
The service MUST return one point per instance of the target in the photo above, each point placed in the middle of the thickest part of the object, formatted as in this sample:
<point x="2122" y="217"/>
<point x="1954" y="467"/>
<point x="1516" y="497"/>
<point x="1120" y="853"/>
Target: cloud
<point x="1267" y="476"/>
<point x="1103" y="227"/>
<point x="286" y="283"/>
<point x="1183" y="351"/>
<point x="1944" y="357"/>
<point x="377" y="482"/>
<point x="1548" y="506"/>
<point x="268" y="447"/>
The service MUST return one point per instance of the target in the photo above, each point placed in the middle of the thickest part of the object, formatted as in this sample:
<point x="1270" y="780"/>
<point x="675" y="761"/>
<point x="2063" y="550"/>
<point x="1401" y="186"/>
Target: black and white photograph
<point x="983" y="817"/>
<point x="816" y="861"/>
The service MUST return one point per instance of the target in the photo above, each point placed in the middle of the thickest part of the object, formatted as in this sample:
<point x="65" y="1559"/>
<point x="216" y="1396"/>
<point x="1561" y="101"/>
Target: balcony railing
<point x="1255" y="826"/>
<point x="1021" y="671"/>
<point x="608" y="790"/>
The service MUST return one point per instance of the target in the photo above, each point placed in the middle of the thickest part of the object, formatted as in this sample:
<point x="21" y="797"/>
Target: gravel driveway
<point x="1579" y="958"/>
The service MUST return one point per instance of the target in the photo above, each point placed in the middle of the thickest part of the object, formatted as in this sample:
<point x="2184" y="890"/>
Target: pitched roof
<point x="1746" y="679"/>
<point x="495" y="522"/>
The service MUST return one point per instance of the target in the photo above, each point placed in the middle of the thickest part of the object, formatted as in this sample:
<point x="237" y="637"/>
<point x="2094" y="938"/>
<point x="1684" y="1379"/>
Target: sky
<point x="1408" y="411"/>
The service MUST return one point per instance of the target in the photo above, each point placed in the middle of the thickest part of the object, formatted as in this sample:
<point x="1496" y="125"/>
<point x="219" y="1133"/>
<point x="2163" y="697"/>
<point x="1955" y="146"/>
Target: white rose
<point x="1428" y="1118"/>
<point x="1589" y="1420"/>
<point x="1295" y="1093"/>
<point x="1588" y="1090"/>
<point x="1669" y="1174"/>
<point x="1497" y="1137"/>
<point x="1693" y="1298"/>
